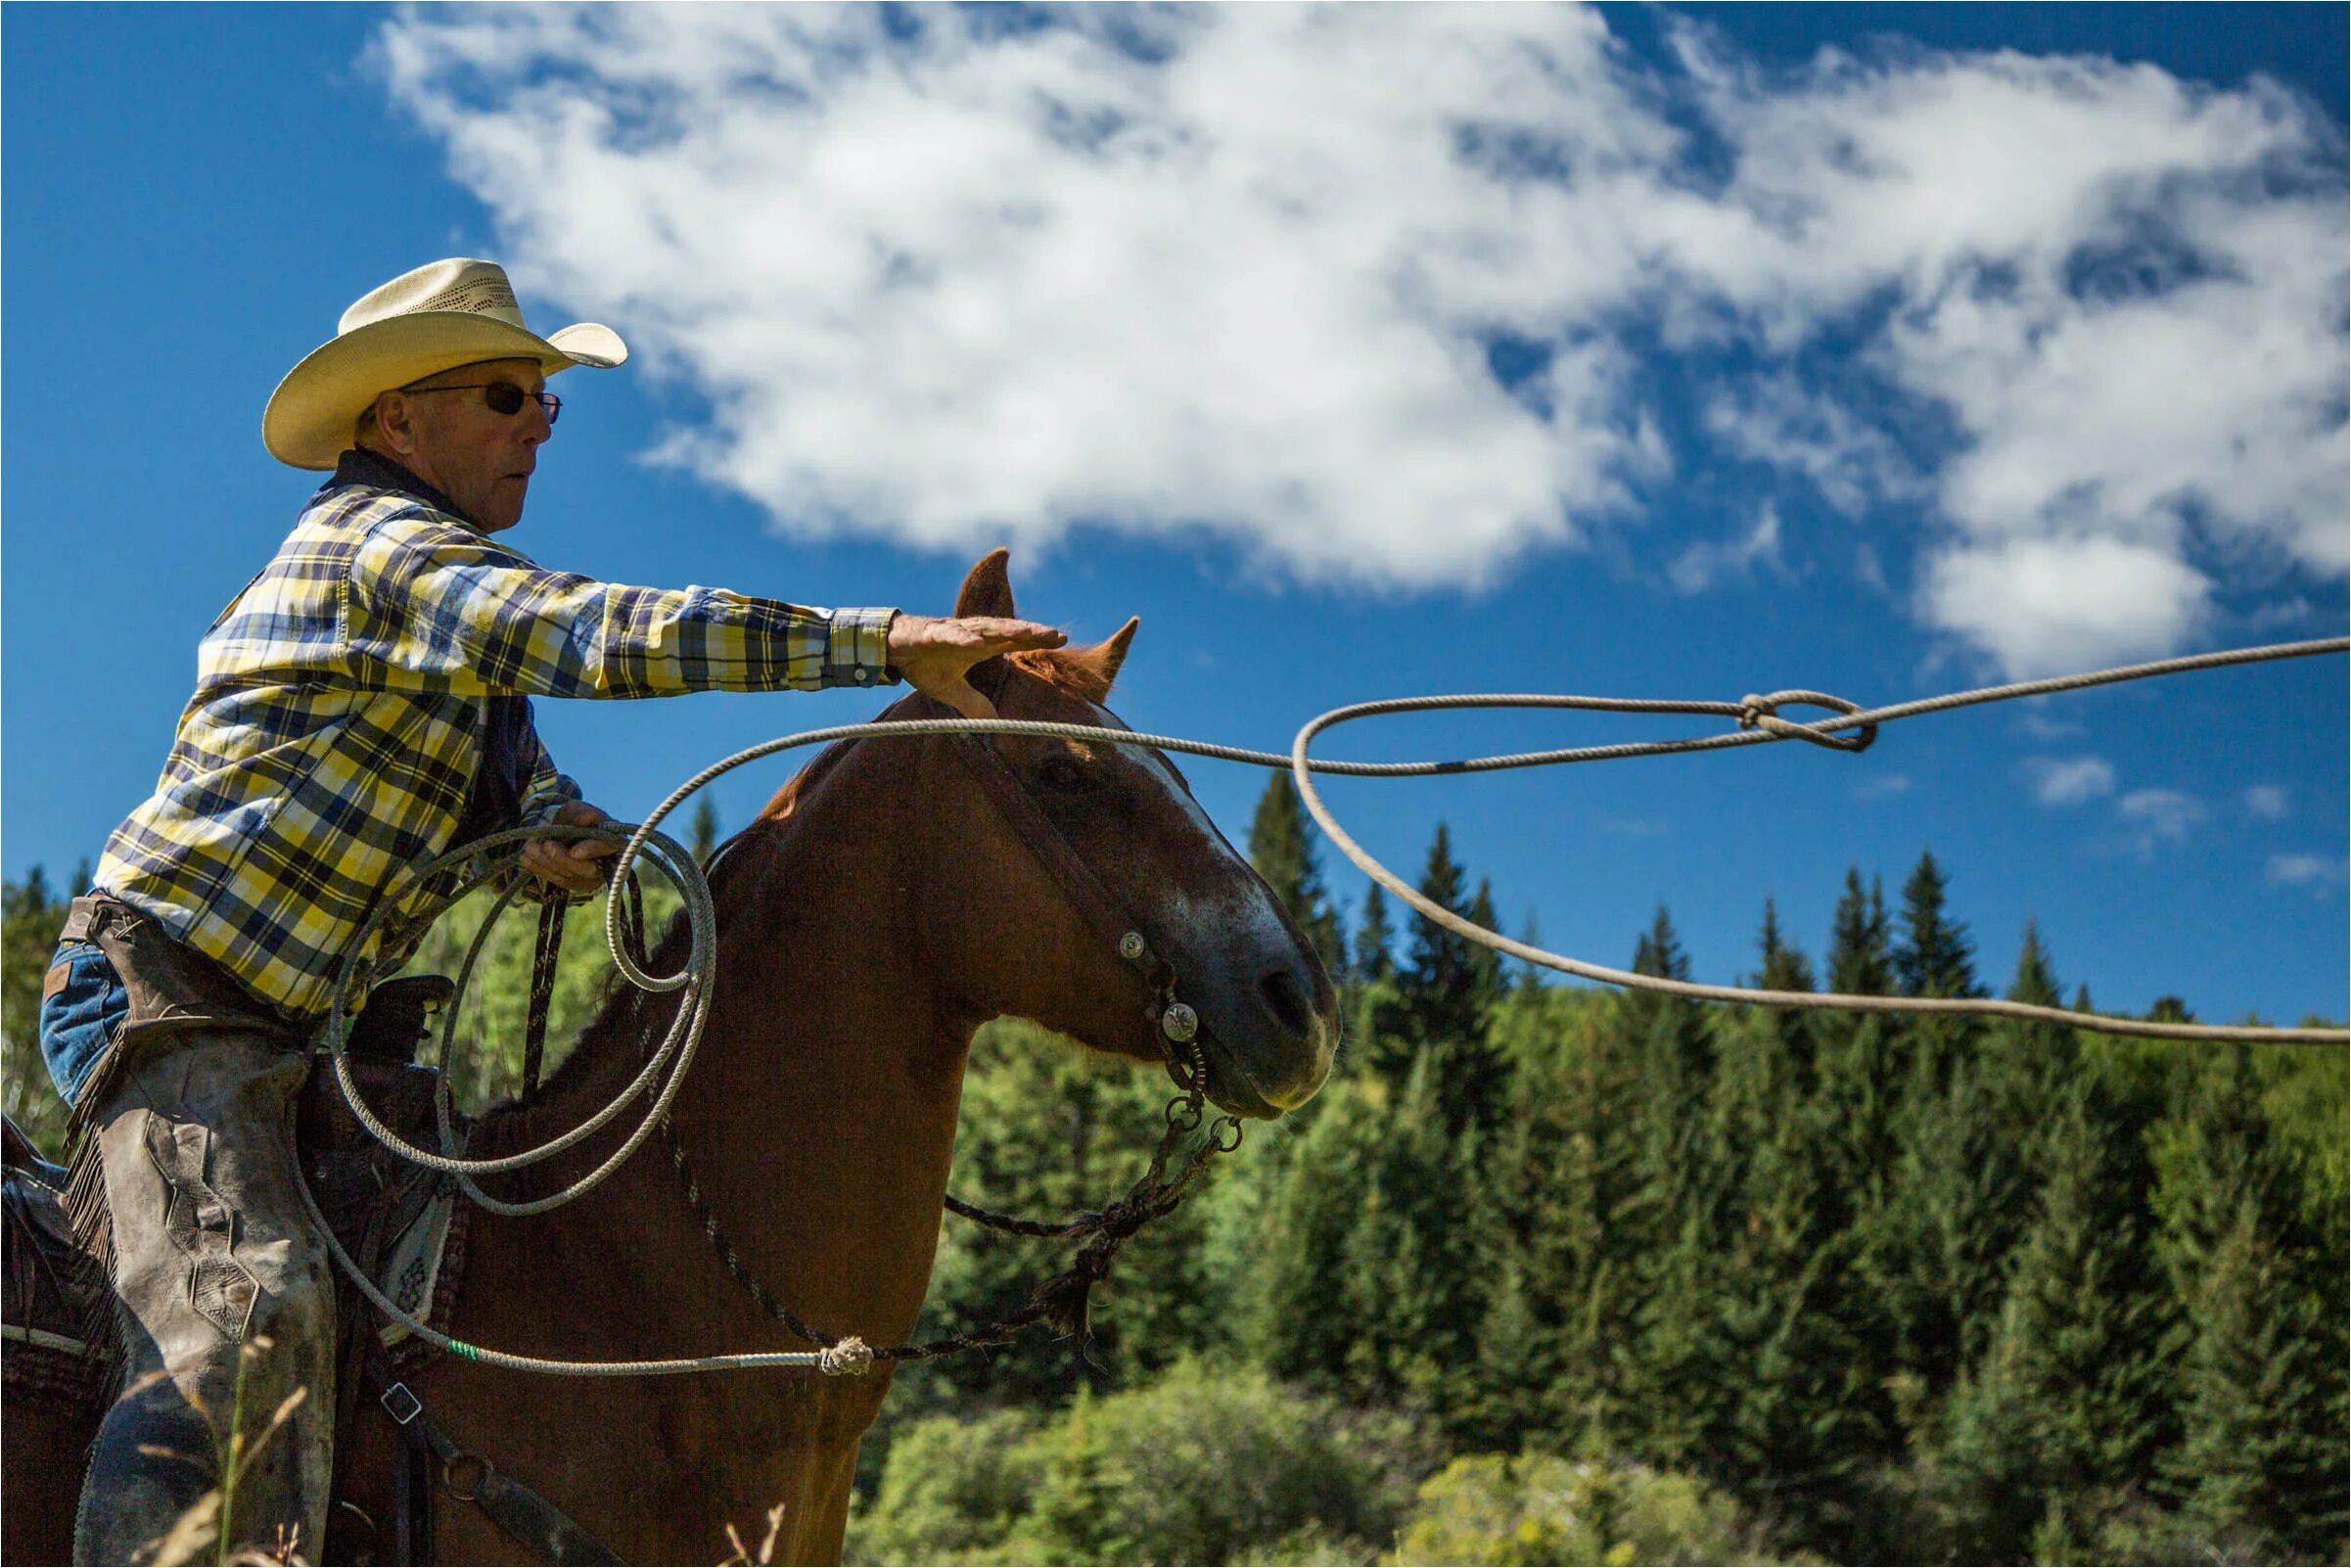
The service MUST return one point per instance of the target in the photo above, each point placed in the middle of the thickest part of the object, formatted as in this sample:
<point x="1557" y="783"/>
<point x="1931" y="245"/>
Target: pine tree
<point x="1282" y="850"/>
<point x="1964" y="1176"/>
<point x="1860" y="964"/>
<point x="1785" y="967"/>
<point x="1296" y="1318"/>
<point x="1684" y="1173"/>
<point x="1373" y="950"/>
<point x="2260" y="1289"/>
<point x="1559" y="1181"/>
<point x="1446" y="997"/>
<point x="1857" y="1083"/>
<point x="702" y="831"/>
<point x="1485" y="963"/>
<point x="2036" y="980"/>
<point x="1936" y="956"/>
<point x="1790" y="1435"/>
<point x="1530" y="976"/>
<point x="2067" y="1408"/>
<point x="1412" y="1297"/>
<point x="1856" y="1106"/>
<point x="1440" y="981"/>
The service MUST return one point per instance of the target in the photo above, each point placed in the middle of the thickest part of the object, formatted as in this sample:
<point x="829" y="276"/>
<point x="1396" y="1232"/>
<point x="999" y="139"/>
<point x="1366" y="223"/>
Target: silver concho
<point x="1130" y="945"/>
<point x="1180" y="1023"/>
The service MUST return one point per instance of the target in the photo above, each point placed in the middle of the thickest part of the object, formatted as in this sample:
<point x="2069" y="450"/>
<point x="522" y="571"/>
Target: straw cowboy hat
<point x="443" y="315"/>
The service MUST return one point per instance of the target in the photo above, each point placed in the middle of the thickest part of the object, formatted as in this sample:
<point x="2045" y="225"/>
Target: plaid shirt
<point x="341" y="711"/>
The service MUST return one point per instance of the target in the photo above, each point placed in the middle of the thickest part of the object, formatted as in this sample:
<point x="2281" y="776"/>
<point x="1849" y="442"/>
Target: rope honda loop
<point x="1062" y="1300"/>
<point x="1763" y="713"/>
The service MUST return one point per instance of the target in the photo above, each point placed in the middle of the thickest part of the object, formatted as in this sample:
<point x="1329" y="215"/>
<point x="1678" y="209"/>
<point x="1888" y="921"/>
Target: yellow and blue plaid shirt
<point x="343" y="706"/>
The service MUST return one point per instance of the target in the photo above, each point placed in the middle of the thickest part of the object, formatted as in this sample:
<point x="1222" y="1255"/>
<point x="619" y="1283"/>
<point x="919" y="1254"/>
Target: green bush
<point x="1536" y="1509"/>
<point x="1199" y="1465"/>
<point x="951" y="1491"/>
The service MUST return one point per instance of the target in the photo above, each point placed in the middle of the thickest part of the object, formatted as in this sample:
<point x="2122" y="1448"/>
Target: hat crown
<point x="461" y="284"/>
<point x="458" y="312"/>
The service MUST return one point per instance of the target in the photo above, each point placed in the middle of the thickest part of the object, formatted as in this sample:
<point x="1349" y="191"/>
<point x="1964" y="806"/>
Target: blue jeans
<point x="83" y="1003"/>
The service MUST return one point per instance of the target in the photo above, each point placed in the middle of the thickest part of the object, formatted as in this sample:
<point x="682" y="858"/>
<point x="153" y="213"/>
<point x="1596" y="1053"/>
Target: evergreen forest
<point x="1552" y="1275"/>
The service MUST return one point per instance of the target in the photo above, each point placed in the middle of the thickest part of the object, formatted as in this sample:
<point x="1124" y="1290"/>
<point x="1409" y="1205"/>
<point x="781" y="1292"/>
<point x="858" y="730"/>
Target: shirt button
<point x="863" y="675"/>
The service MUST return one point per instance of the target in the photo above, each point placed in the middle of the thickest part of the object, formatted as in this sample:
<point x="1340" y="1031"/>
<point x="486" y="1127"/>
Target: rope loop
<point x="1763" y="713"/>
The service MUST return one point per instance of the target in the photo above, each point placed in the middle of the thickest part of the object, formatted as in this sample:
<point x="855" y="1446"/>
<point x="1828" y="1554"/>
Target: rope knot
<point x="1763" y="713"/>
<point x="849" y="1357"/>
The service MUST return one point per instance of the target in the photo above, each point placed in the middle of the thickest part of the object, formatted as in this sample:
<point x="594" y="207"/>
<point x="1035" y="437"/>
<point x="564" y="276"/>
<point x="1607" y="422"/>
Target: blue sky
<point x="1681" y="351"/>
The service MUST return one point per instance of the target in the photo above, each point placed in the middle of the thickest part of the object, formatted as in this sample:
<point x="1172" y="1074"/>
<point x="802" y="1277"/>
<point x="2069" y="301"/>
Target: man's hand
<point x="576" y="867"/>
<point x="935" y="653"/>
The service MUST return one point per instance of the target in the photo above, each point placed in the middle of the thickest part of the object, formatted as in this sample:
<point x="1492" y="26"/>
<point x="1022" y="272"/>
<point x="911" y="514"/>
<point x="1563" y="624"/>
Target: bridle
<point x="1178" y="1023"/>
<point x="1064" y="1299"/>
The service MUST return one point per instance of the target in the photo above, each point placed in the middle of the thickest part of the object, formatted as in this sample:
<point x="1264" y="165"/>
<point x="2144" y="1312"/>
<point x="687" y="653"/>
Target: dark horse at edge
<point x="877" y="912"/>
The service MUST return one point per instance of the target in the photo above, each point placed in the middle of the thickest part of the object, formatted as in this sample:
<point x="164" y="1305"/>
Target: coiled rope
<point x="1759" y="723"/>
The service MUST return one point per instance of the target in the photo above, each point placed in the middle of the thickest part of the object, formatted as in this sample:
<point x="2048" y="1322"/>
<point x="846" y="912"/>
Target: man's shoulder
<point x="346" y="518"/>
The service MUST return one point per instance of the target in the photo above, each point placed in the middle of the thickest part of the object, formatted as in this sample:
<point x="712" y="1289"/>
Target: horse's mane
<point x="625" y="1013"/>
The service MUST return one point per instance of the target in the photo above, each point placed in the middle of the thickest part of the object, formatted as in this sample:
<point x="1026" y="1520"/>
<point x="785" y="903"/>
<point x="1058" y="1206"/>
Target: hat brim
<point x="309" y="418"/>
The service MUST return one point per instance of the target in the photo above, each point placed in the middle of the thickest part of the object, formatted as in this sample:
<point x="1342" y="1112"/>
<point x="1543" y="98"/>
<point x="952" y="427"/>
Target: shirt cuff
<point x="856" y="650"/>
<point x="539" y="809"/>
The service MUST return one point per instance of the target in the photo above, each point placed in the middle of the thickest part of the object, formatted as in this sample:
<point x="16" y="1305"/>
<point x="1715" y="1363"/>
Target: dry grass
<point x="766" y="1553"/>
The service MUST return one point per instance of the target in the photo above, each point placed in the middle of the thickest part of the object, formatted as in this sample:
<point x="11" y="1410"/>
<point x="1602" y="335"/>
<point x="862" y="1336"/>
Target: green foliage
<point x="1936" y="957"/>
<point x="1283" y="853"/>
<point x="2069" y="1400"/>
<point x="953" y="1491"/>
<point x="1200" y="1464"/>
<point x="2261" y="1372"/>
<point x="702" y="831"/>
<point x="1049" y="1129"/>
<point x="486" y="1054"/>
<point x="31" y="915"/>
<point x="1536" y="1509"/>
<point x="1373" y="954"/>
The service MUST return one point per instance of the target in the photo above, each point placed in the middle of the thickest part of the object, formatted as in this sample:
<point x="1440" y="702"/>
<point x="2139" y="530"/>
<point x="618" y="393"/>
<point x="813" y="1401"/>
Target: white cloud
<point x="1704" y="564"/>
<point x="2267" y="801"/>
<point x="2069" y="781"/>
<point x="1883" y="787"/>
<point x="950" y="277"/>
<point x="2159" y="815"/>
<point x="2304" y="870"/>
<point x="2035" y="720"/>
<point x="2053" y="606"/>
<point x="1775" y="420"/>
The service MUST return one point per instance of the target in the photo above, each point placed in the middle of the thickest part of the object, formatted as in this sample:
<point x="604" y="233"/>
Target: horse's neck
<point x="819" y="1113"/>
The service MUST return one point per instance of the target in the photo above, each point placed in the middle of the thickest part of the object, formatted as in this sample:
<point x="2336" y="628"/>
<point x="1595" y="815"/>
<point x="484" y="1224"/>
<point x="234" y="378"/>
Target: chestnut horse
<point x="879" y="910"/>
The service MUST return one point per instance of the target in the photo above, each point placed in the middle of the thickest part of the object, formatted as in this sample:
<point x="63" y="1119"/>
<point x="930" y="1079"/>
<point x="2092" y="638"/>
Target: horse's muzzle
<point x="1269" y="1050"/>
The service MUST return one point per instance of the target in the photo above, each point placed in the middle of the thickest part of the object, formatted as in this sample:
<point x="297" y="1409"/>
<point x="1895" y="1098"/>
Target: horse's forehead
<point x="1161" y="771"/>
<point x="1158" y="767"/>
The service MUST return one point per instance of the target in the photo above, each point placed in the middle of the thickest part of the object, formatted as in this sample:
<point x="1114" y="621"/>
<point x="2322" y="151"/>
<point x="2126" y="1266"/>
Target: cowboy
<point x="361" y="705"/>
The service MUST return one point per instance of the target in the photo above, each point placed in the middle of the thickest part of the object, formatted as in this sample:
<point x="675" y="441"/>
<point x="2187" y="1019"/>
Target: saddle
<point x="397" y="1220"/>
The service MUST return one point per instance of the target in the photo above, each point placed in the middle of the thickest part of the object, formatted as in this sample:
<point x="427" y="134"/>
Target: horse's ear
<point x="987" y="589"/>
<point x="1112" y="654"/>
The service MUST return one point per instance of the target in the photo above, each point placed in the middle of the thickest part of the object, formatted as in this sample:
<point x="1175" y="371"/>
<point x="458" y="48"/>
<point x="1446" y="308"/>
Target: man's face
<point x="457" y="443"/>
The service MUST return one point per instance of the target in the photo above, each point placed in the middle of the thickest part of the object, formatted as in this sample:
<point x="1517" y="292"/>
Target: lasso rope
<point x="1759" y="723"/>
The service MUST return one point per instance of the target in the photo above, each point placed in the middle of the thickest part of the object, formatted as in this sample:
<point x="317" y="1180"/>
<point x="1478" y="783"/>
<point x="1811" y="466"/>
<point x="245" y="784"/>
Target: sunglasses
<point x="503" y="397"/>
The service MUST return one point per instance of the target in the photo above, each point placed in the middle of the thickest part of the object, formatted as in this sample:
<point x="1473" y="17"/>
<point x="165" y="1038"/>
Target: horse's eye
<point x="1063" y="774"/>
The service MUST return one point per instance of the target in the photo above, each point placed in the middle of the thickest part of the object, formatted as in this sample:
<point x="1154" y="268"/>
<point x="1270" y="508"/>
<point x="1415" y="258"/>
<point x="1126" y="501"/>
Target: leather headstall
<point x="1179" y="1024"/>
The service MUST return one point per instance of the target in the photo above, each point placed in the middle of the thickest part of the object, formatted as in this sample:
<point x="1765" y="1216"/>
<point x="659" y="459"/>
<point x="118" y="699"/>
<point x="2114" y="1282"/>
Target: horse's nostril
<point x="1285" y="1003"/>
